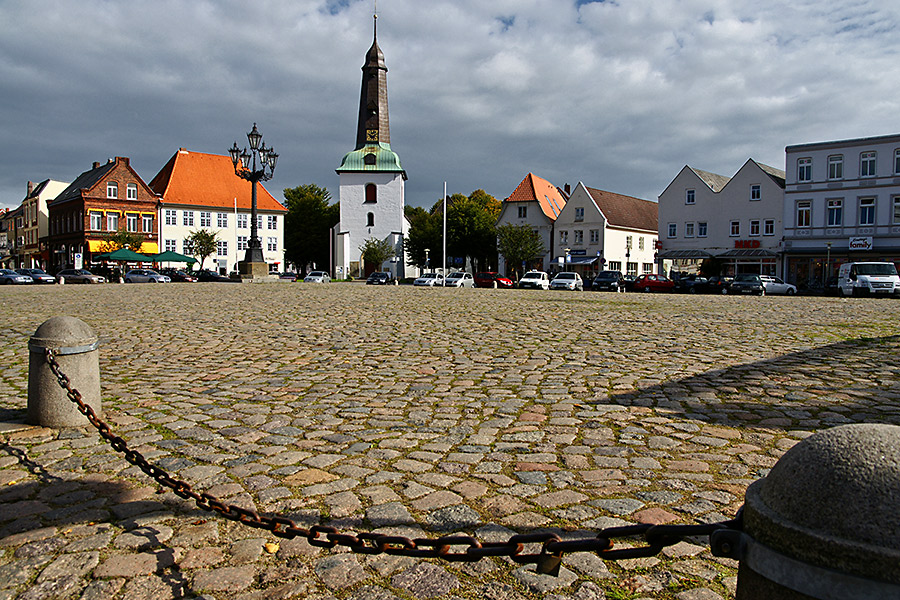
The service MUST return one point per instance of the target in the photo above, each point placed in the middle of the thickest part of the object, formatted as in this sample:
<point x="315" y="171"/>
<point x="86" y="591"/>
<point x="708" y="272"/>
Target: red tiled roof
<point x="535" y="189"/>
<point x="626" y="211"/>
<point x="198" y="179"/>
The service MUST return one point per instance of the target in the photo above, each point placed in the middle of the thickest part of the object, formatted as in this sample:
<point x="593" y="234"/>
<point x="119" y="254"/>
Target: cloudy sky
<point x="618" y="94"/>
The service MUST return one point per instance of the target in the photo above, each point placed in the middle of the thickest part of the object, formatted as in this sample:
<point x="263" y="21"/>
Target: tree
<point x="471" y="228"/>
<point x="519" y="243"/>
<point x="203" y="243"/>
<point x="375" y="252"/>
<point x="307" y="226"/>
<point x="425" y="231"/>
<point x="122" y="239"/>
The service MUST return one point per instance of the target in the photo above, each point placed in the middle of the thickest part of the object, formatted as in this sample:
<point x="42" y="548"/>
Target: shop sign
<point x="746" y="243"/>
<point x="861" y="243"/>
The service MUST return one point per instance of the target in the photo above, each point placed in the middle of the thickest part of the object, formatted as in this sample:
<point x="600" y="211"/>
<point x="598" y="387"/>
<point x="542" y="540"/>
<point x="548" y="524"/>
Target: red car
<point x="486" y="279"/>
<point x="650" y="282"/>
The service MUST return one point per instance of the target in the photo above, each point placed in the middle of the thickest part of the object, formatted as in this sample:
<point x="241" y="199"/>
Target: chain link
<point x="457" y="548"/>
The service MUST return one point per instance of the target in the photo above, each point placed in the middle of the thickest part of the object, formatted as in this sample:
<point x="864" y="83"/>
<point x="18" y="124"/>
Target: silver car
<point x="8" y="276"/>
<point x="459" y="279"/>
<point x="429" y="280"/>
<point x="567" y="280"/>
<point x="38" y="275"/>
<point x="79" y="276"/>
<point x="146" y="276"/>
<point x="317" y="277"/>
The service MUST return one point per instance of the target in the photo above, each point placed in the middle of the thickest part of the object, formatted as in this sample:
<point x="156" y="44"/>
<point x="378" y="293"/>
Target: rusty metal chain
<point x="547" y="560"/>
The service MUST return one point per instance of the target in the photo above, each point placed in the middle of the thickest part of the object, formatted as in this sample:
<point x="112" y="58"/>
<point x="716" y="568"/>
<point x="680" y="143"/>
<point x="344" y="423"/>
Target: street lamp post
<point x="254" y="265"/>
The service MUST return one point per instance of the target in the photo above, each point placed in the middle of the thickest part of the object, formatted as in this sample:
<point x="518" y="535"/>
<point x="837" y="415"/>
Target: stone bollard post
<point x="75" y="348"/>
<point x="825" y="522"/>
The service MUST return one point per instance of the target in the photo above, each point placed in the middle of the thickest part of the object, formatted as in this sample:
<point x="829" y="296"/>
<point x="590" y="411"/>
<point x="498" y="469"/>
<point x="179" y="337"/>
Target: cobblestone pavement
<point x="420" y="412"/>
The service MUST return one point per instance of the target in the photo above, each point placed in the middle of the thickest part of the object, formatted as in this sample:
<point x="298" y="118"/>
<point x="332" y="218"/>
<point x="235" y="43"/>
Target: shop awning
<point x="684" y="254"/>
<point x="170" y="256"/>
<point x="582" y="260"/>
<point x="124" y="254"/>
<point x="747" y="253"/>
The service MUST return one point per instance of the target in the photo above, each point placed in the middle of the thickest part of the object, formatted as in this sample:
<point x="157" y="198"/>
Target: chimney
<point x="123" y="159"/>
<point x="96" y="165"/>
<point x="30" y="188"/>
<point x="567" y="189"/>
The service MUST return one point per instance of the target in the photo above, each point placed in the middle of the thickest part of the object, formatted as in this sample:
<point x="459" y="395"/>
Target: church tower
<point x="371" y="180"/>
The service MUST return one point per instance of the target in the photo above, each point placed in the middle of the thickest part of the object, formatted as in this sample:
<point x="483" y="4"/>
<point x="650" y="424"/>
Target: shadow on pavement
<point x="853" y="381"/>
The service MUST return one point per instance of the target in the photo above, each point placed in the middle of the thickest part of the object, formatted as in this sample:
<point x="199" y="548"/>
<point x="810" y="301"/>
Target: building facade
<point x="201" y="191"/>
<point x="535" y="203"/>
<point x="372" y="183"/>
<point x="734" y="222"/>
<point x="598" y="230"/>
<point x="35" y="250"/>
<point x="101" y="201"/>
<point x="841" y="203"/>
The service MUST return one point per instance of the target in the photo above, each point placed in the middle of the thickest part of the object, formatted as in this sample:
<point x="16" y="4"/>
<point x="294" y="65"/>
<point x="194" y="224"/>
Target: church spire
<point x="374" y="124"/>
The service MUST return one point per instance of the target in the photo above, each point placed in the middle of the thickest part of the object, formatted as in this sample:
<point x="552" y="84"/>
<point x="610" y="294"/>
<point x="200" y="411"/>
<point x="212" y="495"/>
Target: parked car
<point x="178" y="276"/>
<point x="537" y="280"/>
<point x="776" y="285"/>
<point x="37" y="275"/>
<point x="608" y="281"/>
<point x="8" y="276"/>
<point x="317" y="277"/>
<point x="145" y="276"/>
<point x="79" y="276"/>
<point x="205" y="275"/>
<point x="692" y="284"/>
<point x="488" y="279"/>
<point x="717" y="284"/>
<point x="379" y="278"/>
<point x="429" y="280"/>
<point x="747" y="283"/>
<point x="651" y="282"/>
<point x="459" y="279"/>
<point x="288" y="275"/>
<point x="567" y="280"/>
<point x="628" y="282"/>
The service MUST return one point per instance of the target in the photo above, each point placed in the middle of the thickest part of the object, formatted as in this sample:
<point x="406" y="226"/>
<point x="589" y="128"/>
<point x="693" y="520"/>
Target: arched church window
<point x="371" y="191"/>
<point x="370" y="220"/>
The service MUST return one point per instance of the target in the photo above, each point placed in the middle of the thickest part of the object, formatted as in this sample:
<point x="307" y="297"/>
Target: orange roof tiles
<point x="198" y="179"/>
<point x="535" y="189"/>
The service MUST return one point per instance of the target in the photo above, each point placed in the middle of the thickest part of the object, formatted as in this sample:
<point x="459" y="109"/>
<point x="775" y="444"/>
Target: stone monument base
<point x="253" y="270"/>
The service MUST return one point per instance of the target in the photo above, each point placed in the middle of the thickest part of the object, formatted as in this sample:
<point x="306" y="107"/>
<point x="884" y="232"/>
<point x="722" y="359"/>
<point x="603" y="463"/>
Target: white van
<point x="868" y="278"/>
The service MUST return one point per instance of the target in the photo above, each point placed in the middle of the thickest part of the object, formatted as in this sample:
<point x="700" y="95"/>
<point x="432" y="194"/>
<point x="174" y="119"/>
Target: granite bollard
<point x="75" y="347"/>
<point x="825" y="522"/>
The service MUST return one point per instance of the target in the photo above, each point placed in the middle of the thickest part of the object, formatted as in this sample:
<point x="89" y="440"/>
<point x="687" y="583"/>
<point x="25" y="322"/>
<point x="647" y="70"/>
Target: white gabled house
<point x="535" y="203"/>
<point x="599" y="230"/>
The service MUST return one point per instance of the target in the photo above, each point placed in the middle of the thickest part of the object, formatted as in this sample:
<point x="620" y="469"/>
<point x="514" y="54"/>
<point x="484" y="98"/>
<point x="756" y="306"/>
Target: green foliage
<point x="425" y="231"/>
<point x="203" y="243"/>
<point x="375" y="252"/>
<point x="122" y="239"/>
<point x="307" y="226"/>
<point x="471" y="230"/>
<point x="519" y="243"/>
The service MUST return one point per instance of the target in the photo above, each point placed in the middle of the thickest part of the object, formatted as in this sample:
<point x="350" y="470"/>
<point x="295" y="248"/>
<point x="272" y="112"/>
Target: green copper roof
<point x="384" y="159"/>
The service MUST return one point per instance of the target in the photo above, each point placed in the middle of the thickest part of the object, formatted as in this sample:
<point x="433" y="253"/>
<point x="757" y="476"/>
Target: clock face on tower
<point x="371" y="135"/>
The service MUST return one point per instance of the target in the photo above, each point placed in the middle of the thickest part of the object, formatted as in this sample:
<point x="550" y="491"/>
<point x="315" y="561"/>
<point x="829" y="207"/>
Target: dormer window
<point x="112" y="189"/>
<point x="369" y="159"/>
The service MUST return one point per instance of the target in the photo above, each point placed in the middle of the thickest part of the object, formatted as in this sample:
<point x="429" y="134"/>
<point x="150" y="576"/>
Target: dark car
<point x="37" y="275"/>
<point x="609" y="281"/>
<point x="717" y="284"/>
<point x="628" y="282"/>
<point x="178" y="276"/>
<point x="747" y="283"/>
<point x="691" y="284"/>
<point x="489" y="279"/>
<point x="651" y="282"/>
<point x="212" y="276"/>
<point x="378" y="278"/>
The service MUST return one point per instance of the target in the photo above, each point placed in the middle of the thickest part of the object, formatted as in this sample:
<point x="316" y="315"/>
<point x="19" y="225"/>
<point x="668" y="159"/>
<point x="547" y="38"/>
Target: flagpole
<point x="445" y="234"/>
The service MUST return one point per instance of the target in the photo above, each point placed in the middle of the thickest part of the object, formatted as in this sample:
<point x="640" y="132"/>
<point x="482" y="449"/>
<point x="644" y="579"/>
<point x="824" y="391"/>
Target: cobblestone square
<point x="419" y="412"/>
